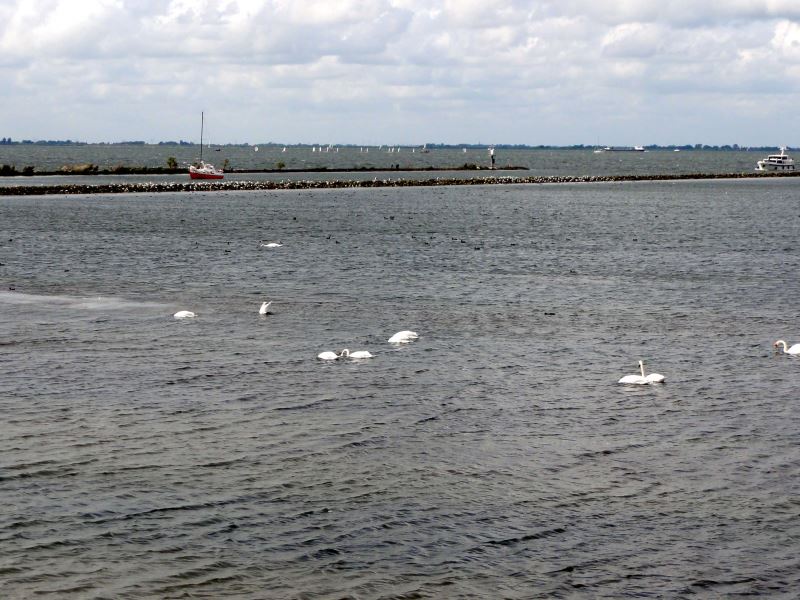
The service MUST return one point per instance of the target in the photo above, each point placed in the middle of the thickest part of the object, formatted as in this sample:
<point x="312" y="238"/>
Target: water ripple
<point x="494" y="457"/>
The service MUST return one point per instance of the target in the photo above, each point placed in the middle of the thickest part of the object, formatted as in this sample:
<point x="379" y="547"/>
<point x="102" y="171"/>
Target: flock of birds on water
<point x="404" y="337"/>
<point x="401" y="337"/>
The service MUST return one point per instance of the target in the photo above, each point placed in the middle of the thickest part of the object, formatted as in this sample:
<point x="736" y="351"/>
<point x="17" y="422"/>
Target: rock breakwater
<point x="221" y="186"/>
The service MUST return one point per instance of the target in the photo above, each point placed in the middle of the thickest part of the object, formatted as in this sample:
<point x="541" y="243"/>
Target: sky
<point x="562" y="72"/>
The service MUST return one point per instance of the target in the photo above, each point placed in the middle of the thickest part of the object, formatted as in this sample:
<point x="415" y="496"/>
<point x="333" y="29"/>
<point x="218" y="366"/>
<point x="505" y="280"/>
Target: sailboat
<point x="204" y="170"/>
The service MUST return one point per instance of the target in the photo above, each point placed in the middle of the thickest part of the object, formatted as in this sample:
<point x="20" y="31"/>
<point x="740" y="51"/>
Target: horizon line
<point x="430" y="145"/>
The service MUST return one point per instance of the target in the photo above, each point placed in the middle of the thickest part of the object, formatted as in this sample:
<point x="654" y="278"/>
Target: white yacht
<point x="776" y="162"/>
<point x="624" y="149"/>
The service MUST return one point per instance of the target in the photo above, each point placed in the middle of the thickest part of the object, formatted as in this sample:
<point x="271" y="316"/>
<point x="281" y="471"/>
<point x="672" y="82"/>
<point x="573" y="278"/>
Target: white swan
<point x="655" y="378"/>
<point x="357" y="354"/>
<point x="634" y="379"/>
<point x="327" y="355"/>
<point x="184" y="314"/>
<point x="264" y="307"/>
<point x="403" y="337"/>
<point x="271" y="245"/>
<point x="642" y="379"/>
<point x="795" y="349"/>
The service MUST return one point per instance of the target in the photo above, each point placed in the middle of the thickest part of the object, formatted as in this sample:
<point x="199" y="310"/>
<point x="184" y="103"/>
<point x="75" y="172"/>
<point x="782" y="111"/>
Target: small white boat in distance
<point x="776" y="162"/>
<point x="624" y="149"/>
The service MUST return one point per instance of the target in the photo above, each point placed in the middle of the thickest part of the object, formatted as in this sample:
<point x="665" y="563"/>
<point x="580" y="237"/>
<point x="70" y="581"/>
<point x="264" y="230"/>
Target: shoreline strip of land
<point x="239" y="185"/>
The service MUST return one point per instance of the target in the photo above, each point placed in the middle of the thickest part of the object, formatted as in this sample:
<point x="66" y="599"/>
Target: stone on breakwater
<point x="191" y="186"/>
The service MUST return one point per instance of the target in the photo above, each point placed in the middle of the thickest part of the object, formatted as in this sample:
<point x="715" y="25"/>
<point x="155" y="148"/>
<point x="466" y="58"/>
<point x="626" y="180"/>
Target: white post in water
<point x="491" y="155"/>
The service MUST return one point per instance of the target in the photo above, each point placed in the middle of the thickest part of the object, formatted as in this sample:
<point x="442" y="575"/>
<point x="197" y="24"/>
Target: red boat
<point x="204" y="170"/>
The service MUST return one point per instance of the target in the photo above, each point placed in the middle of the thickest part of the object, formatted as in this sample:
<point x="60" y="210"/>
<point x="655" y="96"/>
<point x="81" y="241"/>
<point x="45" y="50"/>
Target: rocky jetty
<point x="221" y="186"/>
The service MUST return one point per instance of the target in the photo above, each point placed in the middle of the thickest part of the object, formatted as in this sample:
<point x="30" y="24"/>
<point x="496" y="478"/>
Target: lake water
<point x="535" y="162"/>
<point x="496" y="456"/>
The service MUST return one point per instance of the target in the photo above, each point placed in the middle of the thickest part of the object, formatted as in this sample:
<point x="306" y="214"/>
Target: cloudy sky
<point x="402" y="71"/>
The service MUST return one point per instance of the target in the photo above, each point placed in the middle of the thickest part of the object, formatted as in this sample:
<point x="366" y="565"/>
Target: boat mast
<point x="201" y="136"/>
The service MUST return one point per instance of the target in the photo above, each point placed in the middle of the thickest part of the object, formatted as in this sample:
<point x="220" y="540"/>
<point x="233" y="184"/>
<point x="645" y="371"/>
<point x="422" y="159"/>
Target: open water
<point x="495" y="457"/>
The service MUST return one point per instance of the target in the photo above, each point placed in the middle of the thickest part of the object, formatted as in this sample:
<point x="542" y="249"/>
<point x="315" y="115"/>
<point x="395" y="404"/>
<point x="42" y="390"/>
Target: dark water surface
<point x="496" y="457"/>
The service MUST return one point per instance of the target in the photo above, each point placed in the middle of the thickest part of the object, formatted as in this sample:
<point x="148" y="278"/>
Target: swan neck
<point x="641" y="367"/>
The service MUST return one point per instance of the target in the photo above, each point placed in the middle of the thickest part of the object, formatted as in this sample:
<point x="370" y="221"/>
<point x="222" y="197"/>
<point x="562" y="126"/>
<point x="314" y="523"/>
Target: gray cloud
<point x="410" y="70"/>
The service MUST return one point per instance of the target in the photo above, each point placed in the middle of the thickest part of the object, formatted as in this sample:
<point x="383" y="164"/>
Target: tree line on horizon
<point x="7" y="141"/>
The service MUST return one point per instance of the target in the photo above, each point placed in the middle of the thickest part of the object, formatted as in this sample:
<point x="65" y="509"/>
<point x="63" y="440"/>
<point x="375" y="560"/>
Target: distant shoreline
<point x="221" y="186"/>
<point x="429" y="146"/>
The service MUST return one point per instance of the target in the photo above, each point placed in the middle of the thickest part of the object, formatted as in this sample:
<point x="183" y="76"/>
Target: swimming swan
<point x="788" y="349"/>
<point x="403" y="337"/>
<point x="327" y="355"/>
<point x="271" y="245"/>
<point x="264" y="307"/>
<point x="642" y="379"/>
<point x="184" y="314"/>
<point x="357" y="354"/>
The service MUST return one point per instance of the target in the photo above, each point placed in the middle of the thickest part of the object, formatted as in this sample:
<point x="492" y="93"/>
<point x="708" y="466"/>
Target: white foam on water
<point x="102" y="303"/>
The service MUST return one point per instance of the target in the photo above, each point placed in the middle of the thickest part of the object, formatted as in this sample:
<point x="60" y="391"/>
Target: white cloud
<point x="679" y="13"/>
<point x="640" y="40"/>
<point x="537" y="72"/>
<point x="786" y="41"/>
